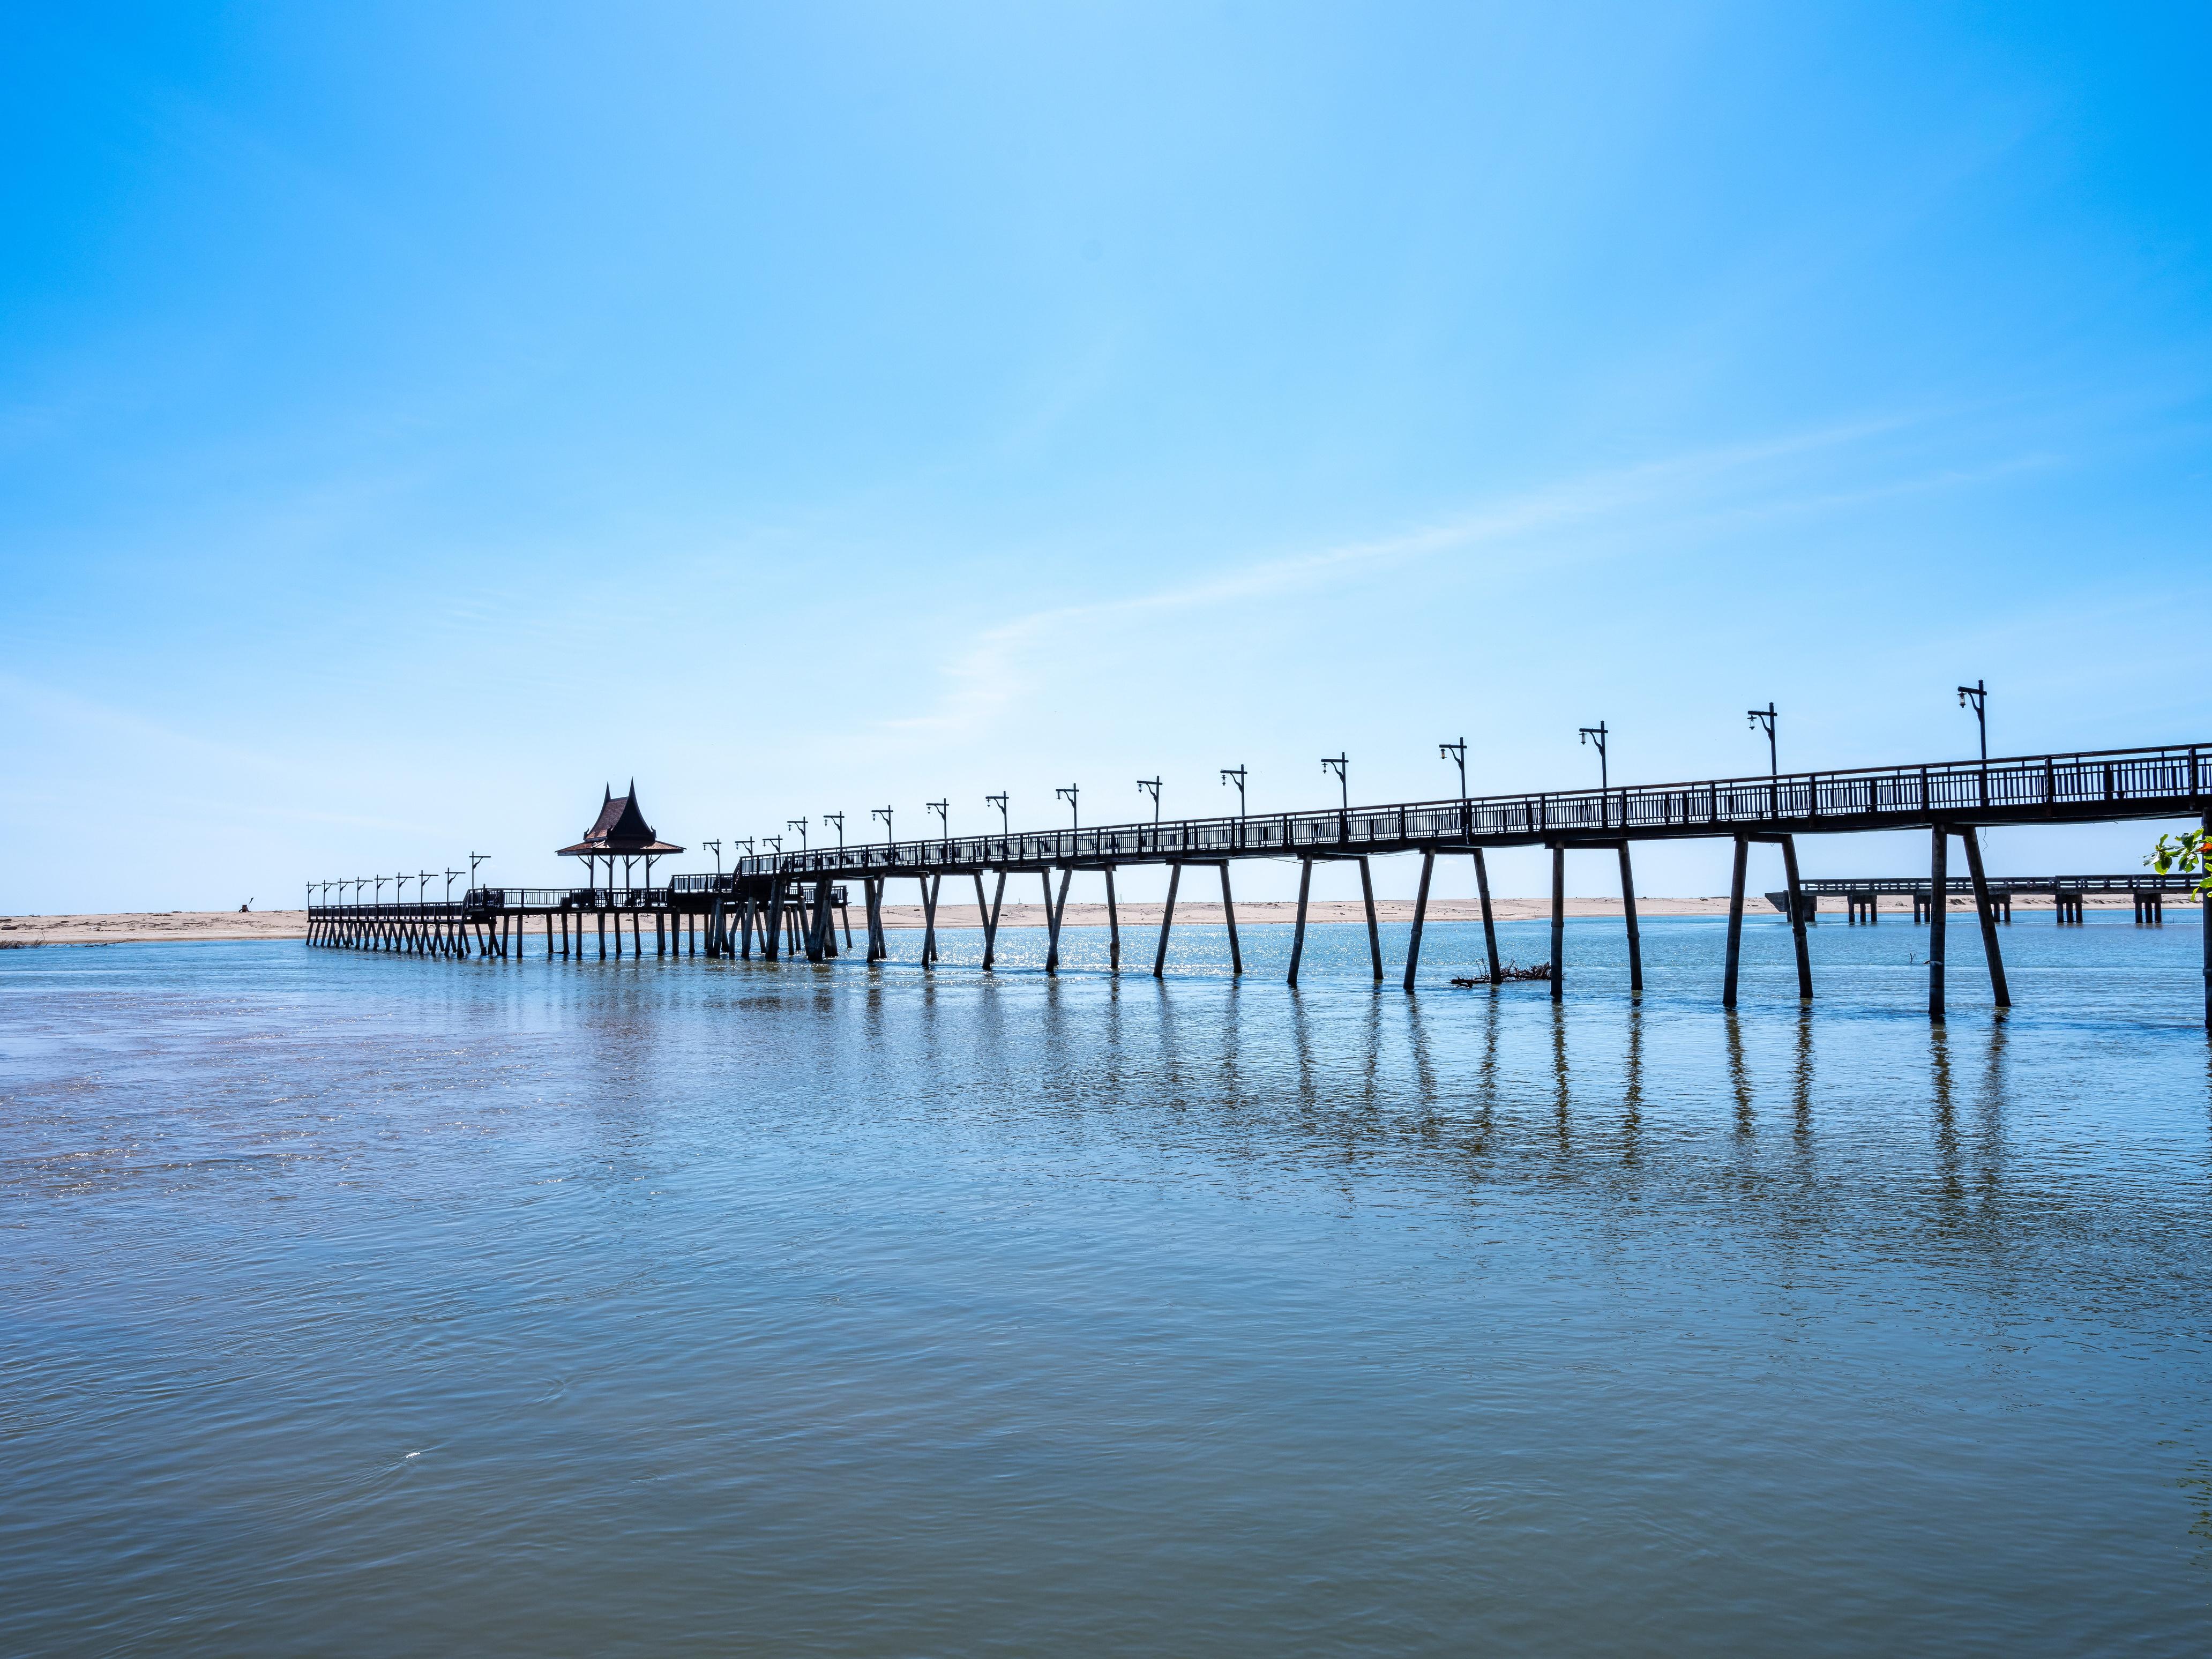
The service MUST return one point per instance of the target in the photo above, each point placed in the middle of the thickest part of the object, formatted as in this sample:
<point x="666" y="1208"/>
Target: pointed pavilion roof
<point x="621" y="831"/>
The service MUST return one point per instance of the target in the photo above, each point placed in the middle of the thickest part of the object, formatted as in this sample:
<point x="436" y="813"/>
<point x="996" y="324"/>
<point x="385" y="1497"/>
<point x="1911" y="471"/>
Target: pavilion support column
<point x="1229" y="915"/>
<point x="1736" y="923"/>
<point x="1987" y="913"/>
<point x="1374" y="931"/>
<point x="1489" y="918"/>
<point x="1559" y="920"/>
<point x="1167" y="921"/>
<point x="1298" y="934"/>
<point x="1796" y="897"/>
<point x="1628" y="916"/>
<point x="1939" y="908"/>
<point x="1420" y="916"/>
<point x="601" y="916"/>
<point x="548" y="936"/>
<point x="1113" y="926"/>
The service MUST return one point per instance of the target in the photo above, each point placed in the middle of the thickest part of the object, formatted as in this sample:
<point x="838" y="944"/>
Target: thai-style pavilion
<point x="620" y="833"/>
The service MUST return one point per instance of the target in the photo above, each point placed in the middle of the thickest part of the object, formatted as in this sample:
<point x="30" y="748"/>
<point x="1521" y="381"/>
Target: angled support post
<point x="1229" y="915"/>
<point x="1374" y="932"/>
<point x="1489" y="918"/>
<point x="1939" y="908"/>
<point x="1167" y="921"/>
<point x="1298" y="934"/>
<point x="1987" y="913"/>
<point x="1051" y="924"/>
<point x="1113" y="926"/>
<point x="928" y="919"/>
<point x="1734" y="924"/>
<point x="988" y="918"/>
<point x="1628" y="916"/>
<point x="1420" y="917"/>
<point x="1056" y="914"/>
<point x="1796" y="898"/>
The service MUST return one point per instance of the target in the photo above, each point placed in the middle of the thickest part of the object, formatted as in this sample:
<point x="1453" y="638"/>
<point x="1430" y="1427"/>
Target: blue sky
<point x="414" y="417"/>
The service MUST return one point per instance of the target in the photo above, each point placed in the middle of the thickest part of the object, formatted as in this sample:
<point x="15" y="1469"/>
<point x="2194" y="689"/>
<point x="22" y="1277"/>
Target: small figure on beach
<point x="245" y="908"/>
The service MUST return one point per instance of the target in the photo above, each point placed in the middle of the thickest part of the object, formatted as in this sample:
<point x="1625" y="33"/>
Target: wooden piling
<point x="1055" y="914"/>
<point x="1628" y="916"/>
<point x="929" y="919"/>
<point x="772" y="929"/>
<point x="1420" y="916"/>
<point x="1167" y="921"/>
<point x="1374" y="929"/>
<point x="1489" y="919"/>
<point x="1559" y="920"/>
<point x="1796" y="898"/>
<point x="990" y="923"/>
<point x="1734" y="924"/>
<point x="1113" y="926"/>
<point x="1939" y="908"/>
<point x="1229" y="915"/>
<point x="1298" y="934"/>
<point x="1986" y="912"/>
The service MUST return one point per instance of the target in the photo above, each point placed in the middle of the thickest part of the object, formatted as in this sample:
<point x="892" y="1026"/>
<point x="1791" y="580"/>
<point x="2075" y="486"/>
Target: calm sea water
<point x="362" y="1304"/>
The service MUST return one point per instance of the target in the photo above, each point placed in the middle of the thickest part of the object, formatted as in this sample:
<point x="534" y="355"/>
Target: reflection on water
<point x="391" y="1305"/>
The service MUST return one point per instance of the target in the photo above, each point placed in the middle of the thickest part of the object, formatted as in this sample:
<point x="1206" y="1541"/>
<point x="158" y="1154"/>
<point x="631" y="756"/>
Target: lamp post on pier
<point x="715" y="847"/>
<point x="1151" y="786"/>
<point x="1068" y="794"/>
<point x="1341" y="765"/>
<point x="837" y="818"/>
<point x="943" y="809"/>
<point x="475" y="858"/>
<point x="884" y="814"/>
<point x="1978" y="694"/>
<point x="1596" y="734"/>
<point x="1235" y="774"/>
<point x="1764" y="717"/>
<point x="1456" y="752"/>
<point x="1005" y="826"/>
<point x="799" y="824"/>
<point x="450" y="874"/>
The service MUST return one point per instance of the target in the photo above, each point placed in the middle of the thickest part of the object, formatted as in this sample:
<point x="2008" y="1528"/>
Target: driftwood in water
<point x="1510" y="970"/>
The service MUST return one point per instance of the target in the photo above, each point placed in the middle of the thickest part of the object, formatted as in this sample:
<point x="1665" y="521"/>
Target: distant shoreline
<point x="215" y="927"/>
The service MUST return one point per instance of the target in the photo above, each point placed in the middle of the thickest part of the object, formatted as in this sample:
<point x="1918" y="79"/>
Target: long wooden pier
<point x="786" y="899"/>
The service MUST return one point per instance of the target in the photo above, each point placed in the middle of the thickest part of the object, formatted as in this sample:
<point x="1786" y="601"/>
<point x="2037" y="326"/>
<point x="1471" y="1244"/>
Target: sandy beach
<point x="209" y="926"/>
